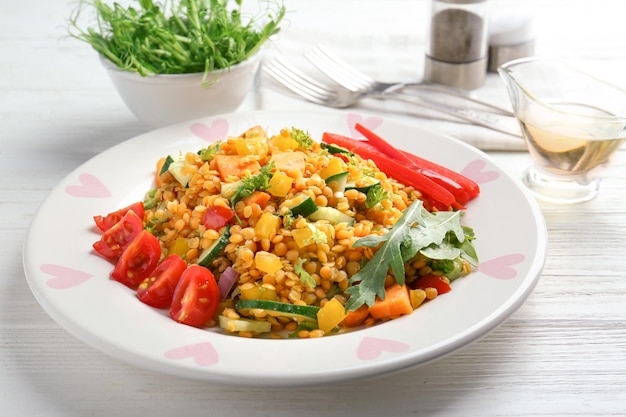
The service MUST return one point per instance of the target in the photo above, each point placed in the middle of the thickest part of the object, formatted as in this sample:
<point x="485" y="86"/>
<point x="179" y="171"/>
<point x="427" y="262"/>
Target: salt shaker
<point x="457" y="48"/>
<point x="511" y="36"/>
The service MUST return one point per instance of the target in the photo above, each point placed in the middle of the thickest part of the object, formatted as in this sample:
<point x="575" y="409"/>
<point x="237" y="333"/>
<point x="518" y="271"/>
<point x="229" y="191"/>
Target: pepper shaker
<point x="511" y="36"/>
<point x="457" y="48"/>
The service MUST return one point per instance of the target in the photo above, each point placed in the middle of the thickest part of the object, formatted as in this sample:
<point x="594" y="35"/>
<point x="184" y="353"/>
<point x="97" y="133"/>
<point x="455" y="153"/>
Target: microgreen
<point x="174" y="37"/>
<point x="418" y="230"/>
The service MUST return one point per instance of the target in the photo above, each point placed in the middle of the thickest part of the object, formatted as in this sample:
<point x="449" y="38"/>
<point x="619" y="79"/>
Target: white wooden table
<point x="562" y="354"/>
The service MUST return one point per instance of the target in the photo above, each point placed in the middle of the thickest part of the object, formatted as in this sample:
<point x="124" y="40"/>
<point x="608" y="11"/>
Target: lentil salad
<point x="299" y="236"/>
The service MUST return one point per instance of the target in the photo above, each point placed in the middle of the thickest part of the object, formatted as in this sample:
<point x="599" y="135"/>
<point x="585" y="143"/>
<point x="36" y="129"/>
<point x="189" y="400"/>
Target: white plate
<point x="73" y="286"/>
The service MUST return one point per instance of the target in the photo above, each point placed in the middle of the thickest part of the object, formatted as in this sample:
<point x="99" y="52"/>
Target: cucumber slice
<point x="175" y="168"/>
<point x="244" y="325"/>
<point x="337" y="182"/>
<point x="168" y="161"/>
<point x="302" y="205"/>
<point x="229" y="189"/>
<point x="363" y="184"/>
<point x="279" y="309"/>
<point x="332" y="215"/>
<point x="335" y="149"/>
<point x="209" y="254"/>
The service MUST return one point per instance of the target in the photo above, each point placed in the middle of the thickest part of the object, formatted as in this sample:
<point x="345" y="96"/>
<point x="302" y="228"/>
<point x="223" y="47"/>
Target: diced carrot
<point x="357" y="317"/>
<point x="235" y="165"/>
<point x="396" y="303"/>
<point x="259" y="197"/>
<point x="159" y="167"/>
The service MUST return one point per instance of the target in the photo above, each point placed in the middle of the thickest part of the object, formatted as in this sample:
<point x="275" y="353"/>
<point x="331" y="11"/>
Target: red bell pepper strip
<point x="441" y="198"/>
<point x="382" y="145"/>
<point x="460" y="186"/>
<point x="472" y="188"/>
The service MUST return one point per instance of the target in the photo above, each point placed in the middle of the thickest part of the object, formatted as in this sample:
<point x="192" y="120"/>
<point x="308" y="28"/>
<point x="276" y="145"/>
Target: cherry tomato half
<point x="114" y="241"/>
<point x="196" y="297"/>
<point x="138" y="260"/>
<point x="158" y="289"/>
<point x="104" y="223"/>
<point x="216" y="217"/>
<point x="432" y="281"/>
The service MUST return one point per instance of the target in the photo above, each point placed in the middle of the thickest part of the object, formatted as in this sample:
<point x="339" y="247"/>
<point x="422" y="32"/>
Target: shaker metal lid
<point x="511" y="36"/>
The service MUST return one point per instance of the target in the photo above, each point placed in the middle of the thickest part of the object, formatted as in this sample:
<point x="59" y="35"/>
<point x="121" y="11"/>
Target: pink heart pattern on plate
<point x="217" y="131"/>
<point x="203" y="354"/>
<point x="372" y="347"/>
<point x="476" y="171"/>
<point x="90" y="187"/>
<point x="371" y="122"/>
<point x="63" y="277"/>
<point x="502" y="267"/>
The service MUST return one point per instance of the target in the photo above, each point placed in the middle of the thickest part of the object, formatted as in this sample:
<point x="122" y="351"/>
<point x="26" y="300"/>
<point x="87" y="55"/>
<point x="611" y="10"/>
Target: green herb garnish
<point x="375" y="195"/>
<point x="174" y="37"/>
<point x="305" y="278"/>
<point x="206" y="154"/>
<point x="260" y="182"/>
<point x="417" y="230"/>
<point x="303" y="138"/>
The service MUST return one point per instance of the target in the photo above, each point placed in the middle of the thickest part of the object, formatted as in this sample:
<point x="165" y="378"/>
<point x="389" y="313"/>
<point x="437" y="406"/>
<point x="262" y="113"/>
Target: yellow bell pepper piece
<point x="417" y="297"/>
<point x="178" y="247"/>
<point x="329" y="316"/>
<point x="283" y="143"/>
<point x="335" y="166"/>
<point x="267" y="262"/>
<point x="267" y="224"/>
<point x="258" y="293"/>
<point x="280" y="184"/>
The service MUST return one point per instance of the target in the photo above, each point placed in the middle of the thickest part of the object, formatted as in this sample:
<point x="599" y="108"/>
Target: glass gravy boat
<point x="572" y="123"/>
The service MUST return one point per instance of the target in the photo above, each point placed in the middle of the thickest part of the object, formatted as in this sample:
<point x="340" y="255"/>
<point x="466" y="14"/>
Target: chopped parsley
<point x="206" y="154"/>
<point x="260" y="182"/>
<point x="303" y="138"/>
<point x="375" y="195"/>
<point x="305" y="278"/>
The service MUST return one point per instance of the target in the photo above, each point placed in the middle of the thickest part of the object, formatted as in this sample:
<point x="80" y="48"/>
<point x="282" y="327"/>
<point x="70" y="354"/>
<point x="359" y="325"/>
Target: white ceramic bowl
<point x="161" y="100"/>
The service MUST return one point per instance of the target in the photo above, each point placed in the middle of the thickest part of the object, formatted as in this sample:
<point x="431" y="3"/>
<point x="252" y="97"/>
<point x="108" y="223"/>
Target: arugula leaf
<point x="260" y="182"/>
<point x="416" y="230"/>
<point x="305" y="278"/>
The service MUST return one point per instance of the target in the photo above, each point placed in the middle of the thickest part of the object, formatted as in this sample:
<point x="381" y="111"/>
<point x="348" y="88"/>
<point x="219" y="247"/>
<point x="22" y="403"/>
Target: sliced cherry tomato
<point x="138" y="260"/>
<point x="432" y="281"/>
<point x="216" y="217"/>
<point x="116" y="239"/>
<point x="158" y="289"/>
<point x="196" y="297"/>
<point x="104" y="223"/>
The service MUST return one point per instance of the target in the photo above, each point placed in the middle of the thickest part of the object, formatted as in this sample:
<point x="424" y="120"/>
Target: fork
<point x="354" y="80"/>
<point x="340" y="97"/>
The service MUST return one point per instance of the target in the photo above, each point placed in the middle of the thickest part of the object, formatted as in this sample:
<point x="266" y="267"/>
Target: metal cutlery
<point x="355" y="80"/>
<point x="340" y="97"/>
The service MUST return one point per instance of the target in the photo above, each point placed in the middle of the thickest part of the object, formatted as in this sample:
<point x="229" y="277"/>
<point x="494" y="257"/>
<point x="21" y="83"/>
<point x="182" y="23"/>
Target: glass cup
<point x="572" y="123"/>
